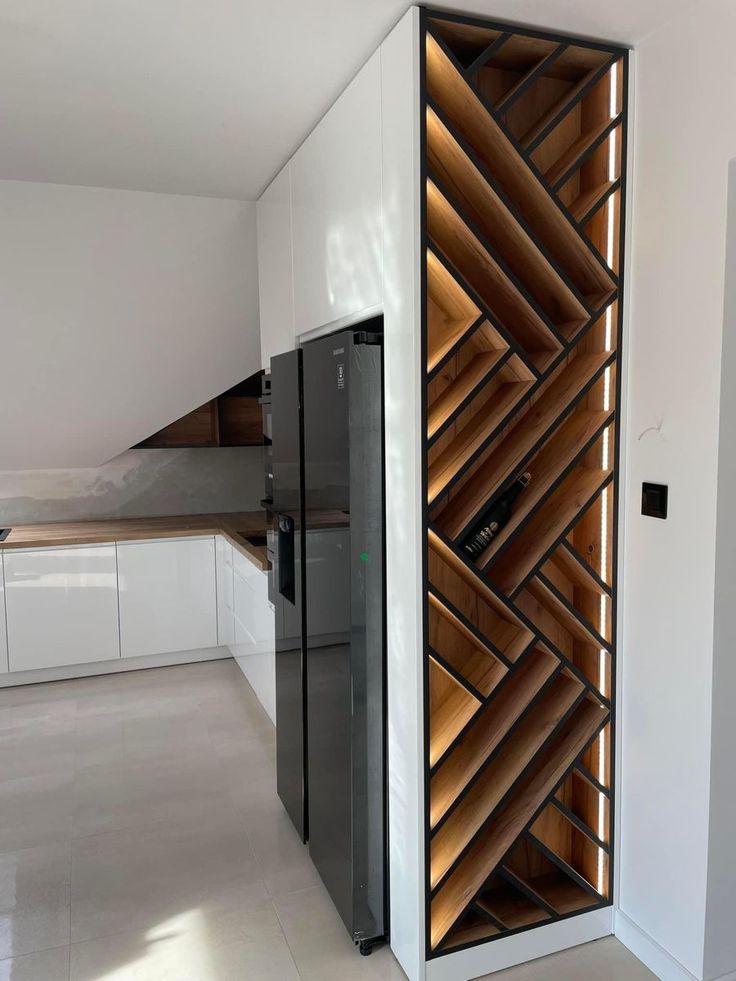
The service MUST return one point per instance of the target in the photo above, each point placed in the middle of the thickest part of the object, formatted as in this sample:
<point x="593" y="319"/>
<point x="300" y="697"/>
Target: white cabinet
<point x="254" y="641"/>
<point x="62" y="606"/>
<point x="224" y="563"/>
<point x="336" y="209"/>
<point x="168" y="598"/>
<point x="3" y="631"/>
<point x="275" y="287"/>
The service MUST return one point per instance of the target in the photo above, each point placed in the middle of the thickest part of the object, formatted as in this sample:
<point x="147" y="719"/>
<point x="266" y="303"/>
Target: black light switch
<point x="654" y="500"/>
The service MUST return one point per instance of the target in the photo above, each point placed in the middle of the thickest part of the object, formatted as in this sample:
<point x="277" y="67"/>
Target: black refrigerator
<point x="327" y="421"/>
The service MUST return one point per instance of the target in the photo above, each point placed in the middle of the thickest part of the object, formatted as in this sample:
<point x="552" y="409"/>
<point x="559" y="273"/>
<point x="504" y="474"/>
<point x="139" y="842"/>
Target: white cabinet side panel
<point x="336" y="208"/>
<point x="402" y="381"/>
<point x="3" y="631"/>
<point x="62" y="606"/>
<point x="224" y="565"/>
<point x="167" y="596"/>
<point x="275" y="276"/>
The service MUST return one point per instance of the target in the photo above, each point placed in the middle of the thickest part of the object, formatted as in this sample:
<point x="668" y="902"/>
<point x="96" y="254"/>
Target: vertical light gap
<point x="606" y="460"/>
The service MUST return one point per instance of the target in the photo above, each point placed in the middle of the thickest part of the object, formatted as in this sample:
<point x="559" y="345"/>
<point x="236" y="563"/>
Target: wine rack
<point x="523" y="151"/>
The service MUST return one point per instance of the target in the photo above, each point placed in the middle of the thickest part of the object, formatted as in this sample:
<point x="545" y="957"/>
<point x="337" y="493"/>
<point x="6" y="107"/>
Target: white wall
<point x="685" y="136"/>
<point x="120" y="311"/>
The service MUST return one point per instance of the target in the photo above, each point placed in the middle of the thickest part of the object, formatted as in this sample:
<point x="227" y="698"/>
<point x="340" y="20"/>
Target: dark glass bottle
<point x="492" y="519"/>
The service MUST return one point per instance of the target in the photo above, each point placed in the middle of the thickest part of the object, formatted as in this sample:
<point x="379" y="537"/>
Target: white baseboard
<point x="509" y="951"/>
<point x="649" y="952"/>
<point x="69" y="671"/>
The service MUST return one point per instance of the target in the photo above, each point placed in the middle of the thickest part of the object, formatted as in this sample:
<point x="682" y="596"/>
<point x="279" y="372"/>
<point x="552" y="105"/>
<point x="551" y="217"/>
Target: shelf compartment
<point x="509" y="905"/>
<point x="452" y="578"/>
<point x="447" y="88"/>
<point x="473" y="928"/>
<point x="576" y="570"/>
<point x="588" y="202"/>
<point x="484" y="416"/>
<point x="478" y="201"/>
<point x="493" y="722"/>
<point x="539" y="782"/>
<point x="570" y="499"/>
<point x="587" y="804"/>
<point x="469" y="42"/>
<point x="548" y="467"/>
<point x="570" y="619"/>
<point x="575" y="853"/>
<point x="503" y="300"/>
<point x="451" y="707"/>
<point x="450" y="312"/>
<point x="500" y="775"/>
<point x="538" y="423"/>
<point x="568" y="162"/>
<point x="462" y="650"/>
<point x="462" y="388"/>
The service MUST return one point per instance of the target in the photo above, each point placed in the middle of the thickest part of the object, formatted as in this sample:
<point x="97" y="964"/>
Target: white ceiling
<point x="210" y="97"/>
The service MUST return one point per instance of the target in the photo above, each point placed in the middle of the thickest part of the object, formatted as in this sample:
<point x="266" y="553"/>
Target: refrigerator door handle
<point x="286" y="569"/>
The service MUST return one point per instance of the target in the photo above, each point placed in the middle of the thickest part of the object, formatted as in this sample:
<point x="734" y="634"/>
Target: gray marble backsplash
<point x="138" y="483"/>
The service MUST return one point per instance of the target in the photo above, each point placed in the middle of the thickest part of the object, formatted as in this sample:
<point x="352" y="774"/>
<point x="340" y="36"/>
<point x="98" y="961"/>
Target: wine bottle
<point x="494" y="516"/>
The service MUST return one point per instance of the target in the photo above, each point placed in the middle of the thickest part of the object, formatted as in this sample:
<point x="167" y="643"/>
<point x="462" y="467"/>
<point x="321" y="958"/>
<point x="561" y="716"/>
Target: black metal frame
<point x="617" y="53"/>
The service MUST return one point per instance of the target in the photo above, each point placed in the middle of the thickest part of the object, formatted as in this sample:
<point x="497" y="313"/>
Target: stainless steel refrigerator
<point x="327" y="420"/>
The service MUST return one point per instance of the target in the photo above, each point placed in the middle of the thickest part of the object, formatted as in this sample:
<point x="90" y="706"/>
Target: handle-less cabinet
<point x="61" y="606"/>
<point x="336" y="208"/>
<point x="224" y="566"/>
<point x="275" y="276"/>
<point x="3" y="631"/>
<point x="168" y="597"/>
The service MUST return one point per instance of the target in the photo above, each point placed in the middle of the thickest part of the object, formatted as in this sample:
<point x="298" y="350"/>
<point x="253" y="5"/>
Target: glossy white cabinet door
<point x="168" y="598"/>
<point x="254" y="643"/>
<point x="224" y="562"/>
<point x="62" y="606"/>
<point x="275" y="285"/>
<point x="3" y="631"/>
<point x="337" y="207"/>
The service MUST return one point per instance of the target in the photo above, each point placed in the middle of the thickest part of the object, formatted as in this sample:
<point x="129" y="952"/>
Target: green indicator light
<point x="363" y="556"/>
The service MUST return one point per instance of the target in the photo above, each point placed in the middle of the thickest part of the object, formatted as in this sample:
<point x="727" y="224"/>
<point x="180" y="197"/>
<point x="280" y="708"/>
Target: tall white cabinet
<point x="275" y="274"/>
<point x="168" y="598"/>
<point x="62" y="606"/>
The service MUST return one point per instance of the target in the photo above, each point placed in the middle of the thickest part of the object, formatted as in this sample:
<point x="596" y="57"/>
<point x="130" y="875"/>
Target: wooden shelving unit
<point x="524" y="165"/>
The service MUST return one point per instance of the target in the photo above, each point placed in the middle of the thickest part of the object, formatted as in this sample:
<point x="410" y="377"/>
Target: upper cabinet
<point x="275" y="278"/>
<point x="336" y="209"/>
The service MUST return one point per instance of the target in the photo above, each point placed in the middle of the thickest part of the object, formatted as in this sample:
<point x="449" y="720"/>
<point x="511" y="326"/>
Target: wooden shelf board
<point x="573" y="622"/>
<point x="508" y="458"/>
<point x="562" y="894"/>
<point x="450" y="312"/>
<point x="502" y="298"/>
<point x="570" y="160"/>
<point x="479" y="201"/>
<point x="460" y="648"/>
<point x="546" y="468"/>
<point x="477" y="929"/>
<point x="585" y="202"/>
<point x="491" y="725"/>
<point x="511" y="907"/>
<point x="541" y="129"/>
<point x="472" y="436"/>
<point x="449" y="713"/>
<point x="446" y="86"/>
<point x="462" y="388"/>
<point x="538" y="783"/>
<point x="500" y="775"/>
<point x="570" y="498"/>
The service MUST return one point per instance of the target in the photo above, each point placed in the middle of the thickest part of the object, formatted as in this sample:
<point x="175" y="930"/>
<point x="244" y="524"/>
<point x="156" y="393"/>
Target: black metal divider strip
<point x="476" y="232"/>
<point x="563" y="866"/>
<point x="525" y="888"/>
<point x="570" y="105"/>
<point x="587" y="153"/>
<point x="525" y="159"/>
<point x="574" y="612"/>
<point x="485" y="56"/>
<point x="529" y="79"/>
<point x="474" y="391"/>
<point x="481" y="167"/>
<point x="534" y="818"/>
<point x="593" y="780"/>
<point x="484" y="641"/>
<point x="506" y="798"/>
<point x="533" y="572"/>
<point x="580" y="824"/>
<point x="595" y="208"/>
<point x="493" y="920"/>
<point x="528" y="708"/>
<point x="579" y="454"/>
<point x="587" y="567"/>
<point x="520" y="615"/>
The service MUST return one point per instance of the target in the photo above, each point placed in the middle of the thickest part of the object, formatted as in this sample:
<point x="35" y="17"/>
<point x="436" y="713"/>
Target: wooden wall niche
<point x="524" y="158"/>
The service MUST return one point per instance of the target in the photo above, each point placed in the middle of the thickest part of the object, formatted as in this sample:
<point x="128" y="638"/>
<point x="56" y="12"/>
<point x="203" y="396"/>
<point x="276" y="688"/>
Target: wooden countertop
<point x="234" y="526"/>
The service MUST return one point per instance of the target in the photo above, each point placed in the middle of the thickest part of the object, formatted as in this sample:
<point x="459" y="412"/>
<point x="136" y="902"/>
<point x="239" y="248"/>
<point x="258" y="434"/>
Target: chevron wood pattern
<point x="524" y="158"/>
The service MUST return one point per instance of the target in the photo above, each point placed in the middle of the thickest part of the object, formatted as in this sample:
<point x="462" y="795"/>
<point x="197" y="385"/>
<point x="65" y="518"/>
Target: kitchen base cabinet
<point x="168" y="598"/>
<point x="224" y="564"/>
<point x="254" y="633"/>
<point x="3" y="631"/>
<point x="62" y="606"/>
